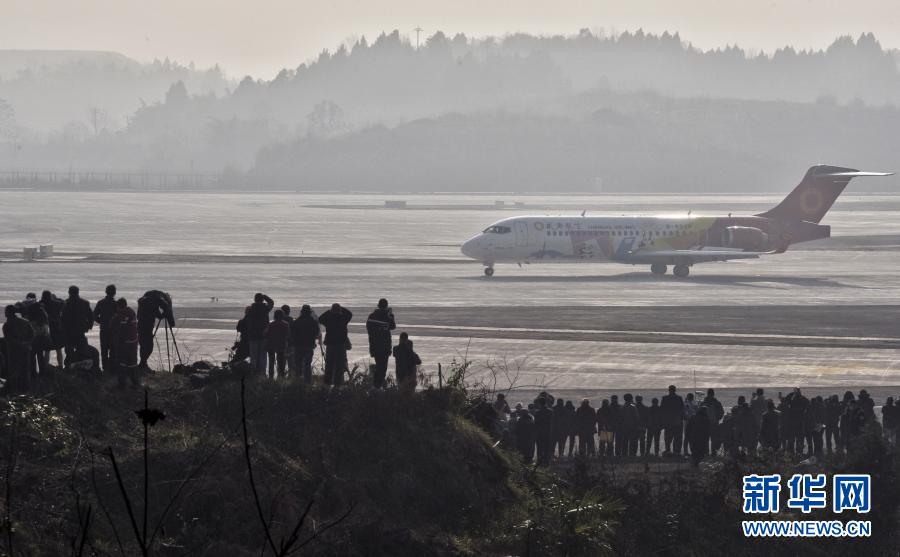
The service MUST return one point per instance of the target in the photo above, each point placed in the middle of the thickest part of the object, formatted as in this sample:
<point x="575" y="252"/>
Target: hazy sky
<point x="258" y="37"/>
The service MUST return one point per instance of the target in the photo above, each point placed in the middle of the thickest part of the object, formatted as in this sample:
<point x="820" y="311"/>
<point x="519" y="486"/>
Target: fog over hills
<point x="586" y="112"/>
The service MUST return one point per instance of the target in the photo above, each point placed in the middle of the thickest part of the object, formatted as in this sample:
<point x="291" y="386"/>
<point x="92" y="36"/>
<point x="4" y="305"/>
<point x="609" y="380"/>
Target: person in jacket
<point x="525" y="435"/>
<point x="606" y="435"/>
<point x="672" y="410"/>
<point x="559" y="429"/>
<point x="19" y="335"/>
<point x="379" y="326"/>
<point x="306" y="333"/>
<point x="690" y="409"/>
<point x="40" y="346"/>
<point x="758" y="406"/>
<point x="257" y="321"/>
<point x="290" y="354"/>
<point x="406" y="361"/>
<point x="814" y="426"/>
<point x="629" y="423"/>
<point x="153" y="307"/>
<point x="570" y="427"/>
<point x="832" y="419"/>
<point x="642" y="424"/>
<point x="337" y="342"/>
<point x="614" y="417"/>
<point x="770" y="427"/>
<point x="654" y="426"/>
<point x="585" y="426"/>
<point x="697" y="431"/>
<point x="54" y="308"/>
<point x="890" y="419"/>
<point x="77" y="319"/>
<point x="124" y="336"/>
<point x="543" y="428"/>
<point x="104" y="310"/>
<point x="276" y="337"/>
<point x="715" y="409"/>
<point x="241" y="348"/>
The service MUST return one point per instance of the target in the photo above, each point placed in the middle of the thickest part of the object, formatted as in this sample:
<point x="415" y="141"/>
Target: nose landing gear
<point x="488" y="271"/>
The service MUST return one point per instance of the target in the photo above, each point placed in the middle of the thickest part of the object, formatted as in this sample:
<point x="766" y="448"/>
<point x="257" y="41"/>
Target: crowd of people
<point x="275" y="343"/>
<point x="284" y="345"/>
<point x="36" y="328"/>
<point x="695" y="425"/>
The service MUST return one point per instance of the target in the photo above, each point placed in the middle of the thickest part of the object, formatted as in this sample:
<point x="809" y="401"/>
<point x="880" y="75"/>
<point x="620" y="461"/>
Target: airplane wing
<point x="690" y="256"/>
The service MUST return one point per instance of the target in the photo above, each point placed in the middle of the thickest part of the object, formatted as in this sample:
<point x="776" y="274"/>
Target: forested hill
<point x="625" y="112"/>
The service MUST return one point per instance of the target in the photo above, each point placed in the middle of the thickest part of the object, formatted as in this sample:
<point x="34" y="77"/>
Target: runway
<point x="824" y="314"/>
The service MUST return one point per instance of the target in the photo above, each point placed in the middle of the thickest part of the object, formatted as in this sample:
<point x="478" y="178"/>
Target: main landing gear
<point x="488" y="271"/>
<point x="658" y="269"/>
<point x="681" y="271"/>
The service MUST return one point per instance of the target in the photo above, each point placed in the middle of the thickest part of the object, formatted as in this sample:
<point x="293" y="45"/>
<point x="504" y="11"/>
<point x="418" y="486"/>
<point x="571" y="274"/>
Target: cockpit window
<point x="498" y="230"/>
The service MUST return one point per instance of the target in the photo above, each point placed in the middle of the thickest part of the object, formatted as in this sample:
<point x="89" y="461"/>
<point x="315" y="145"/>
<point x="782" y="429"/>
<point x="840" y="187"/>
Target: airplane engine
<point x="745" y="237"/>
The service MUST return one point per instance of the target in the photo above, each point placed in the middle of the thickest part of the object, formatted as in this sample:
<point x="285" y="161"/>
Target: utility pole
<point x="417" y="30"/>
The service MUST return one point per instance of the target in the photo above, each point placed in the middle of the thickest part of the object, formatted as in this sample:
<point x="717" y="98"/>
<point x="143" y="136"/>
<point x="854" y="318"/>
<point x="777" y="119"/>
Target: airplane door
<point x="521" y="233"/>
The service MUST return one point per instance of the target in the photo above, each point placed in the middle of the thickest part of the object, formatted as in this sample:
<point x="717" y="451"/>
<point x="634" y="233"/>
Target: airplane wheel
<point x="658" y="269"/>
<point x="681" y="271"/>
<point x="488" y="271"/>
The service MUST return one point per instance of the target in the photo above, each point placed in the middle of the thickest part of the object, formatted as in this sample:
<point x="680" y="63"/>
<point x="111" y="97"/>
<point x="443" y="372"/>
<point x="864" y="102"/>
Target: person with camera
<point x="337" y="342"/>
<point x="256" y="324"/>
<point x="306" y="333"/>
<point x="77" y="319"/>
<point x="379" y="326"/>
<point x="153" y="306"/>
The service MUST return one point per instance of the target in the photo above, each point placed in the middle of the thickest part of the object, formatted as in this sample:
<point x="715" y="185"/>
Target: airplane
<point x="667" y="240"/>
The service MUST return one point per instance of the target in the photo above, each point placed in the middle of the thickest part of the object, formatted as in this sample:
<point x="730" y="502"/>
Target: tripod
<point x="168" y="330"/>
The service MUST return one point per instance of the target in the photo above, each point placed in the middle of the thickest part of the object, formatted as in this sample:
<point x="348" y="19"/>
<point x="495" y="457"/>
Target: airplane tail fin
<point x="816" y="193"/>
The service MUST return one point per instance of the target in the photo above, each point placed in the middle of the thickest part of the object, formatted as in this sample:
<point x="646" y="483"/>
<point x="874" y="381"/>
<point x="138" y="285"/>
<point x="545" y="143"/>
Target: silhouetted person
<point x="290" y="353"/>
<point x="745" y="431"/>
<point x="18" y="335"/>
<point x="606" y="435"/>
<point x="337" y="342"/>
<point x="770" y="427"/>
<point x="629" y="423"/>
<point x="379" y="326"/>
<point x="715" y="411"/>
<point x="690" y="409"/>
<point x="124" y="335"/>
<point x="654" y="426"/>
<point x="570" y="430"/>
<point x="276" y="340"/>
<point x="795" y="408"/>
<point x="257" y="321"/>
<point x="890" y="419"/>
<point x="614" y="422"/>
<point x="306" y="334"/>
<point x="103" y="312"/>
<point x="814" y="426"/>
<point x="543" y="426"/>
<point x="867" y="405"/>
<point x="77" y="319"/>
<point x="241" y="348"/>
<point x="672" y="409"/>
<point x="642" y="423"/>
<point x="40" y="346"/>
<point x="758" y="406"/>
<point x="54" y="308"/>
<point x="559" y="429"/>
<point x="585" y="426"/>
<point x="697" y="433"/>
<point x="406" y="362"/>
<point x="153" y="306"/>
<point x="85" y="358"/>
<point x="832" y="419"/>
<point x="525" y="435"/>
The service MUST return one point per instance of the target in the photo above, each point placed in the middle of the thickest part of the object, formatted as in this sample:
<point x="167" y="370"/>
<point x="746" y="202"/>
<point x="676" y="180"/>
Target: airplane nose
<point x="471" y="248"/>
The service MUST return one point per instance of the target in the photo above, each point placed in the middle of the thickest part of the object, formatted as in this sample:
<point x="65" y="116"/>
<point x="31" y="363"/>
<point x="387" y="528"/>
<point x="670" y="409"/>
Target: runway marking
<point x="684" y="334"/>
